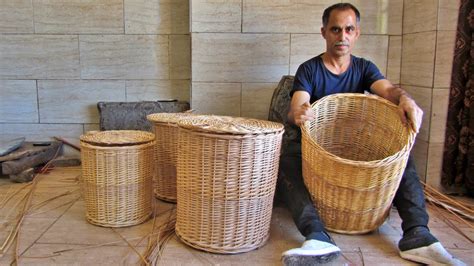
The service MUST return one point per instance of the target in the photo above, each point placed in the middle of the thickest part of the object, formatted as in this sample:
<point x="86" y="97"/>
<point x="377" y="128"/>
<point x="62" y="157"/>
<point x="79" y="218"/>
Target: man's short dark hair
<point x="339" y="6"/>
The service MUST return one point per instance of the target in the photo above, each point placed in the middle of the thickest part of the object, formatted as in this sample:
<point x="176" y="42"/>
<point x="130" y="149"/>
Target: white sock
<point x="310" y="253"/>
<point x="434" y="254"/>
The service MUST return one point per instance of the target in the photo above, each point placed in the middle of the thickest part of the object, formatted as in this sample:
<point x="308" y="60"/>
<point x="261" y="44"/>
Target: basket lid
<point x="167" y="117"/>
<point x="117" y="137"/>
<point x="229" y="125"/>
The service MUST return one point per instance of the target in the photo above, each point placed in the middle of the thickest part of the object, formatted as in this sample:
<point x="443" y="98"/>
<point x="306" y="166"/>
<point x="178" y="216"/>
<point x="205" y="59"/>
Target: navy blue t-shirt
<point x="312" y="76"/>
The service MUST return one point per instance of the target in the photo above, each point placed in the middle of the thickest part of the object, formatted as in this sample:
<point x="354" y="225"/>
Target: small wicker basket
<point x="227" y="172"/>
<point x="166" y="153"/>
<point x="117" y="175"/>
<point x="354" y="154"/>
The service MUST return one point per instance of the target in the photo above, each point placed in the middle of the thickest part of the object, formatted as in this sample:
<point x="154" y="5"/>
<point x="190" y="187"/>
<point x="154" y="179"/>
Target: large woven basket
<point x="354" y="154"/>
<point x="166" y="153"/>
<point x="117" y="175"/>
<point x="227" y="172"/>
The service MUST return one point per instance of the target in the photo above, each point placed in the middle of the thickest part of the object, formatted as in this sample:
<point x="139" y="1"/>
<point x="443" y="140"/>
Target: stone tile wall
<point x="58" y="58"/>
<point x="426" y="63"/>
<point x="241" y="48"/>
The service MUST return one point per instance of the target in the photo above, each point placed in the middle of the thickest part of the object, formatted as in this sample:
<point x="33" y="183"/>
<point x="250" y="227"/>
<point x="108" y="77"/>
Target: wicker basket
<point x="354" y="154"/>
<point x="166" y="154"/>
<point x="117" y="175"/>
<point x="227" y="172"/>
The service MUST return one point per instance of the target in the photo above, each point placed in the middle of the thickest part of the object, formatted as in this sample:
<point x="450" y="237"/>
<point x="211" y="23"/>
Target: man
<point x="337" y="71"/>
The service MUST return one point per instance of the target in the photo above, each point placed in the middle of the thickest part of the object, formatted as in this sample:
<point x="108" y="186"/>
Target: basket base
<point x="109" y="224"/>
<point x="235" y="250"/>
<point x="355" y="232"/>
<point x="165" y="199"/>
<point x="358" y="231"/>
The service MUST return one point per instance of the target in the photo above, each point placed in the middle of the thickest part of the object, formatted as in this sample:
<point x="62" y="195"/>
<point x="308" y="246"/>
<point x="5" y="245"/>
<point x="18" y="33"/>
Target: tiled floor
<point x="55" y="232"/>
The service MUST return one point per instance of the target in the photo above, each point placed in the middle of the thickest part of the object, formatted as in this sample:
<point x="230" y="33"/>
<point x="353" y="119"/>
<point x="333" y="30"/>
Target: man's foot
<point x="312" y="252"/>
<point x="419" y="245"/>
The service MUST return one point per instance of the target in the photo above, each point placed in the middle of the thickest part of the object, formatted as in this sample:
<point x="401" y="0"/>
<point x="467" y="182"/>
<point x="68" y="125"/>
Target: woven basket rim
<point x="137" y="146"/>
<point x="374" y="163"/>
<point x="166" y="118"/>
<point x="217" y="124"/>
<point x="111" y="138"/>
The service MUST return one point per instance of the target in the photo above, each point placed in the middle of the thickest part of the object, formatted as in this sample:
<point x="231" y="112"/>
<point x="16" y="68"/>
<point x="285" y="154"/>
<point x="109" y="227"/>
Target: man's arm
<point x="300" y="109"/>
<point x="407" y="107"/>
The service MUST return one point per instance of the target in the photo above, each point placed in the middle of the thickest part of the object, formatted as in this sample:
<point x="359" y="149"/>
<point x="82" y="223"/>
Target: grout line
<point x="37" y="101"/>
<point x="125" y="90"/>
<point x="241" y="93"/>
<point x="33" y="10"/>
<point x="79" y="53"/>
<point x="431" y="93"/>
<point x="388" y="57"/>
<point x="401" y="46"/>
<point x="169" y="56"/>
<point x="123" y="16"/>
<point x="241" y="16"/>
<point x="289" y="54"/>
<point x="47" y="229"/>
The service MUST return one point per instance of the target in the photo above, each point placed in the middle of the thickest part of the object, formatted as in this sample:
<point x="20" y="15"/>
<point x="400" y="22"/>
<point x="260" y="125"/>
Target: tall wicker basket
<point x="117" y="174"/>
<point x="166" y="153"/>
<point x="354" y="154"/>
<point x="227" y="172"/>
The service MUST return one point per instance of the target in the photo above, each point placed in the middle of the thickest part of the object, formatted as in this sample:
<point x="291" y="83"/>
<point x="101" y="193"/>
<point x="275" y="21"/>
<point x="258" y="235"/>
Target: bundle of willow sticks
<point x="451" y="209"/>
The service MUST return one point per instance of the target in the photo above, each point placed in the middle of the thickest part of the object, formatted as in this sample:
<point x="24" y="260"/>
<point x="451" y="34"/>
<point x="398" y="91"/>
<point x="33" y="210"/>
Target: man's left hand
<point x="410" y="112"/>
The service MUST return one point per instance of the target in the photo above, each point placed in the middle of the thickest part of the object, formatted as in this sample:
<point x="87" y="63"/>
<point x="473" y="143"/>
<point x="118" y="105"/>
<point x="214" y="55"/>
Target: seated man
<point x="337" y="71"/>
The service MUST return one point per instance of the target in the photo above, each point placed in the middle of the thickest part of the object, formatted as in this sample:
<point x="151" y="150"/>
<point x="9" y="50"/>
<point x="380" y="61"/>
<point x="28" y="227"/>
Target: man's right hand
<point x="300" y="110"/>
<point x="303" y="113"/>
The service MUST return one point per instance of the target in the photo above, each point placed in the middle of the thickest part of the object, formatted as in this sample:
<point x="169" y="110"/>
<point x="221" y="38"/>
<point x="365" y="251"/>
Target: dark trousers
<point x="409" y="199"/>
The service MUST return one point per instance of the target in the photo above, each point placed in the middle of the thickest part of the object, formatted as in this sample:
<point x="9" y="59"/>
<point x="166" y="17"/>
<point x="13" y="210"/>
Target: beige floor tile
<point x="49" y="254"/>
<point x="369" y="258"/>
<point x="137" y="235"/>
<point x="72" y="228"/>
<point x="53" y="235"/>
<point x="371" y="242"/>
<point x="7" y="258"/>
<point x="30" y="230"/>
<point x="451" y="239"/>
<point x="53" y="204"/>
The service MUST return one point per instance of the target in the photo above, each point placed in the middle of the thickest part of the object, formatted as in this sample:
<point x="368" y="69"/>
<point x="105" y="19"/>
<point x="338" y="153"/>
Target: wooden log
<point x="23" y="177"/>
<point x="67" y="143"/>
<point x="28" y="148"/>
<point x="45" y="154"/>
<point x="65" y="162"/>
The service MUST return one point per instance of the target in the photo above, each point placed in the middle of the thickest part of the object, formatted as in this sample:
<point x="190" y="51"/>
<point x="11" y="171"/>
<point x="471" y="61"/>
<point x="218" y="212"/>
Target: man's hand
<point x="303" y="113"/>
<point x="410" y="112"/>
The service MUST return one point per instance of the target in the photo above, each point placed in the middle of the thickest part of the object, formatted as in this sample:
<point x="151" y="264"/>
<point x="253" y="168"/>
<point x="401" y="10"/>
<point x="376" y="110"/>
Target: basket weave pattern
<point x="354" y="154"/>
<point x="116" y="181"/>
<point x="166" y="154"/>
<point x="226" y="184"/>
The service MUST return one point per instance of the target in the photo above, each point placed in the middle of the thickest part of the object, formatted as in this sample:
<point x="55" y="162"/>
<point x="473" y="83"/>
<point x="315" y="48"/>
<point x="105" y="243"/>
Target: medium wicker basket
<point x="166" y="153"/>
<point x="227" y="172"/>
<point x="354" y="154"/>
<point x="117" y="175"/>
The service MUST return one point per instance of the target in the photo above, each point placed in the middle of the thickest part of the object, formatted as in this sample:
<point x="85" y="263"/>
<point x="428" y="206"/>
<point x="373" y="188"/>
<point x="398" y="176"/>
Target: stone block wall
<point x="428" y="46"/>
<point x="241" y="48"/>
<point x="58" y="58"/>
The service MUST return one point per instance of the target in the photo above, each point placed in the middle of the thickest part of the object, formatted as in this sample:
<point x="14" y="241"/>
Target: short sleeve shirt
<point x="312" y="76"/>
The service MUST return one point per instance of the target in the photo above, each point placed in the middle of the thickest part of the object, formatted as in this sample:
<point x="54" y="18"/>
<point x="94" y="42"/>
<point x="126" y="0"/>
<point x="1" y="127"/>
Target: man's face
<point x="341" y="32"/>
